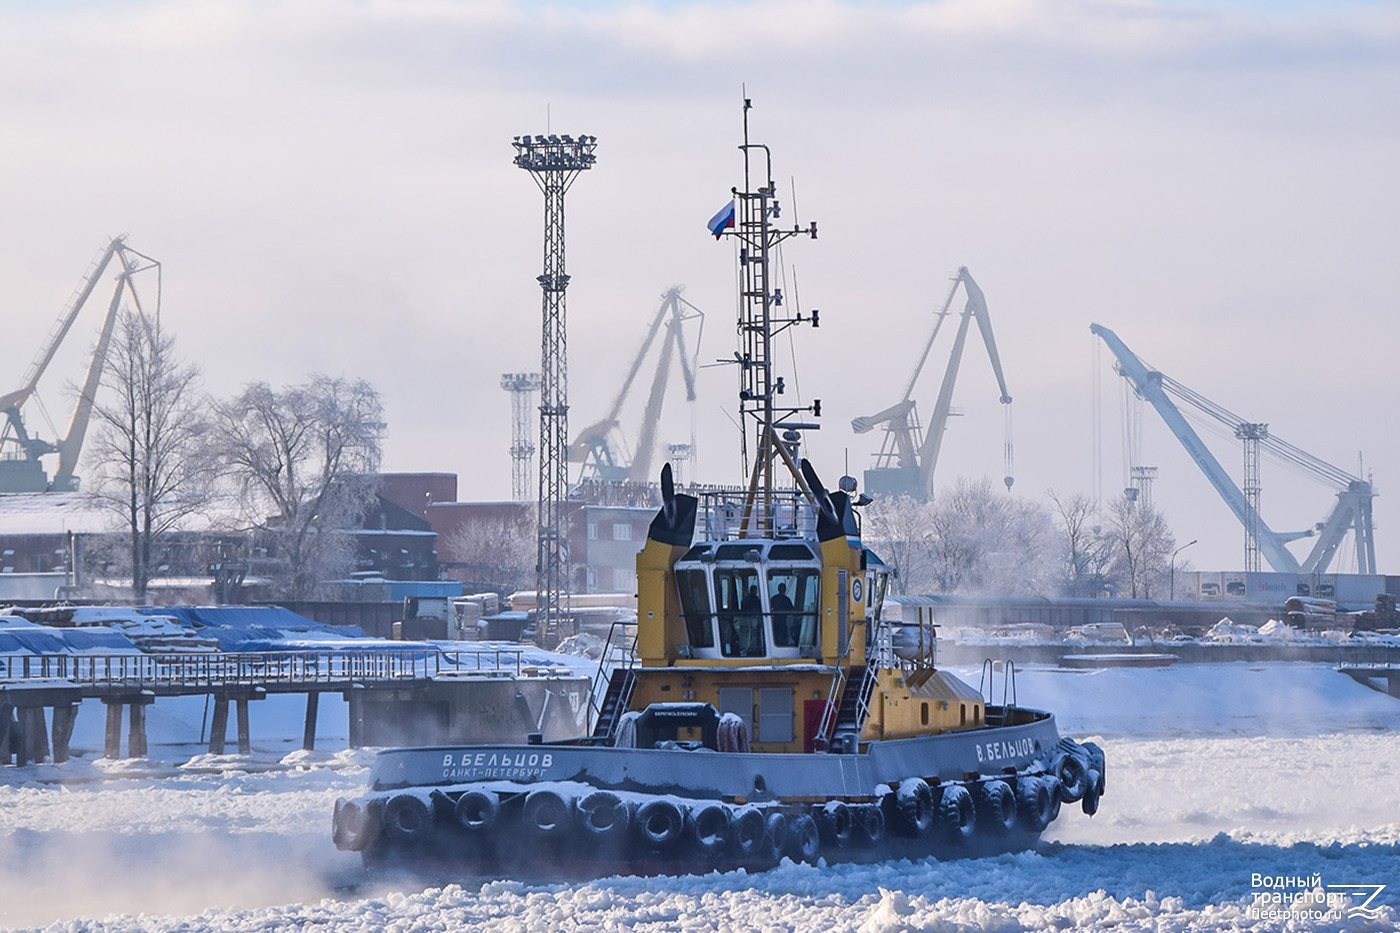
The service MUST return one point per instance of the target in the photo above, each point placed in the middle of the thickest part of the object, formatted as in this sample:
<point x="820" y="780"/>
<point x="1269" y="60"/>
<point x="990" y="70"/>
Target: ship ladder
<point x="621" y="686"/>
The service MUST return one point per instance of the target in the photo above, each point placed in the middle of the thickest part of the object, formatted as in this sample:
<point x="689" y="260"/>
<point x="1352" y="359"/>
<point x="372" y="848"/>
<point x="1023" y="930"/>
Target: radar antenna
<point x="751" y="218"/>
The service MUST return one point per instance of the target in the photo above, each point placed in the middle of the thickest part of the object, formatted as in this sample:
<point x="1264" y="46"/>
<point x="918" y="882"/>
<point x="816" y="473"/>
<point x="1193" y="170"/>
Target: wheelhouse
<point x="750" y="599"/>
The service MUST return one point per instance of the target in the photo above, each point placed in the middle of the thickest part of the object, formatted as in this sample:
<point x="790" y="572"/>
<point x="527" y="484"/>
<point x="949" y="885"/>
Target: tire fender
<point x="1090" y="802"/>
<point x="603" y="813"/>
<point x="1096" y="763"/>
<point x="1035" y="802"/>
<point x="709" y="827"/>
<point x="353" y="826"/>
<point x="872" y="824"/>
<point x="775" y="826"/>
<point x="407" y="818"/>
<point x="1073" y="777"/>
<point x="477" y="811"/>
<point x="914" y="799"/>
<point x="835" y="821"/>
<point x="957" y="815"/>
<point x="998" y="807"/>
<point x="746" y="831"/>
<point x="547" y="813"/>
<point x="804" y="839"/>
<point x="660" y="823"/>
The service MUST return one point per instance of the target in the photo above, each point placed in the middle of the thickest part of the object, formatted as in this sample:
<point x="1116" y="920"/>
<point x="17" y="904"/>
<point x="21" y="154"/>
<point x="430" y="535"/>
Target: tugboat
<point x="769" y="711"/>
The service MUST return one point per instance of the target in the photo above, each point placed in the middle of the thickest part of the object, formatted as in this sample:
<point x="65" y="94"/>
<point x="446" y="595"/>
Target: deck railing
<point x="214" y="669"/>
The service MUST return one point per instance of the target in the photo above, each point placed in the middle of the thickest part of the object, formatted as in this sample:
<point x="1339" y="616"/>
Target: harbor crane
<point x="600" y="447"/>
<point x="21" y="469"/>
<point x="1351" y="514"/>
<point x="908" y="455"/>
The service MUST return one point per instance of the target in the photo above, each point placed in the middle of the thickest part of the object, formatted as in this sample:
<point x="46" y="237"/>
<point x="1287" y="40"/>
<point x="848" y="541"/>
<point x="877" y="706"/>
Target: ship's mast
<point x="762" y="316"/>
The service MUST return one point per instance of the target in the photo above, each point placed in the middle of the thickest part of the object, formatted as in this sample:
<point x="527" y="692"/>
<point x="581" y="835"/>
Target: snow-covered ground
<point x="1217" y="774"/>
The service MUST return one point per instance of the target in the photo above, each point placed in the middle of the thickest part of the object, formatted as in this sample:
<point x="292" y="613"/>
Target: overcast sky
<point x="329" y="188"/>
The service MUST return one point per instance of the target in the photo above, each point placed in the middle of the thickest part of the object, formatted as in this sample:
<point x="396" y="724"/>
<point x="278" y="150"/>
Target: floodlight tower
<point x="522" y="388"/>
<point x="553" y="162"/>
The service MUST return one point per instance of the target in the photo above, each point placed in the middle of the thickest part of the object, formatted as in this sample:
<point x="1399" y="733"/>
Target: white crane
<point x="909" y="455"/>
<point x="21" y="469"/>
<point x="1352" y="512"/>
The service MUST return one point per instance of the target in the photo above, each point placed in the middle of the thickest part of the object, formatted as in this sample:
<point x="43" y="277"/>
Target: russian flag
<point x="723" y="220"/>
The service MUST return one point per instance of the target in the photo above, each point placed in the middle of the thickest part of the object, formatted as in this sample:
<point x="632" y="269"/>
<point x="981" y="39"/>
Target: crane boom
<point x="976" y="308"/>
<point x="26" y="474"/>
<point x="907" y="461"/>
<point x="1148" y="384"/>
<point x="61" y="327"/>
<point x="599" y="446"/>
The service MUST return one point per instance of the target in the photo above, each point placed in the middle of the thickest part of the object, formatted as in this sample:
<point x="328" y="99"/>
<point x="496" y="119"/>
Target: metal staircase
<point x="620" y="686"/>
<point x="618" y="666"/>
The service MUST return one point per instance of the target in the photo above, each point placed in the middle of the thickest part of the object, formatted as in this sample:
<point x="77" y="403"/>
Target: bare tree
<point x="1087" y="550"/>
<point x="496" y="553"/>
<point x="1142" y="543"/>
<point x="306" y="462"/>
<point x="152" y="458"/>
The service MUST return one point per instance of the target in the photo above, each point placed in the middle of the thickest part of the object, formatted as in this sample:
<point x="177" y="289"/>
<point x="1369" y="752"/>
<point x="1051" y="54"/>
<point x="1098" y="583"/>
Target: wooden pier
<point x="40" y="694"/>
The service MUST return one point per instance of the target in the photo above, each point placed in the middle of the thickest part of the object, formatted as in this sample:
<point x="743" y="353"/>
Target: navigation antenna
<point x="554" y="162"/>
<point x="752" y="218"/>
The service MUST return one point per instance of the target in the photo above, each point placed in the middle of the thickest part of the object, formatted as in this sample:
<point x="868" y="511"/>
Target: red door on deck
<point x="811" y="723"/>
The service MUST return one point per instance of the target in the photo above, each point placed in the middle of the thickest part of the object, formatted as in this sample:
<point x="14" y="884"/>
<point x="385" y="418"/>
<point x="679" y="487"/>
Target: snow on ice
<point x="1219" y="776"/>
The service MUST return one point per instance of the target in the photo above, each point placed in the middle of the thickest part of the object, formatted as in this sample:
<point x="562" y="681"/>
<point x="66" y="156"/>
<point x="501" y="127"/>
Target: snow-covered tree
<point x="1087" y="550"/>
<point x="973" y="538"/>
<point x="496" y="553"/>
<point x="1143" y="545"/>
<point x="306" y="463"/>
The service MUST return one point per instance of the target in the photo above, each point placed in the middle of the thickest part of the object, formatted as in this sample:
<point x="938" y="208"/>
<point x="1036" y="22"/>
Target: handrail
<point x="623" y="655"/>
<point x="196" y="670"/>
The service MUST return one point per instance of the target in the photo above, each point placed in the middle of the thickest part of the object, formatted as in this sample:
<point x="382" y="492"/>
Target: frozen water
<point x="1216" y="773"/>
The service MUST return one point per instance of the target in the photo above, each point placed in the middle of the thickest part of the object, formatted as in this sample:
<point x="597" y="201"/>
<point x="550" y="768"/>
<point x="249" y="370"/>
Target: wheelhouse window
<point x="739" y="609"/>
<point x="792" y="600"/>
<point x="695" y="607"/>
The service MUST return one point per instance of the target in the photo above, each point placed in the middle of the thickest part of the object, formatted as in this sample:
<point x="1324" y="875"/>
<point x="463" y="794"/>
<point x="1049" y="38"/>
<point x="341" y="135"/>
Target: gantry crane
<point x="600" y="447"/>
<point x="21" y="469"/>
<point x="909" y="455"/>
<point x="1352" y="513"/>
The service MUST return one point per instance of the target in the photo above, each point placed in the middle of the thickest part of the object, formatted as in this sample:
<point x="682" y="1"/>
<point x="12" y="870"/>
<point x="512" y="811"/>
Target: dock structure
<point x="1371" y="675"/>
<point x="40" y="693"/>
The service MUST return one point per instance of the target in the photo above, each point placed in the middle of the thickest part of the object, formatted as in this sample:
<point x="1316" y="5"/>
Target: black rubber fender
<point x="836" y="823"/>
<point x="997" y="807"/>
<point x="548" y="813"/>
<point x="1035" y="802"/>
<point x="1096" y="763"/>
<point x="708" y="824"/>
<point x="915" y="802"/>
<point x="957" y="815"/>
<point x="775" y="836"/>
<point x="804" y="839"/>
<point x="407" y="818"/>
<point x="477" y="811"/>
<point x="660" y="823"/>
<point x="746" y="832"/>
<point x="1073" y="777"/>
<point x="603" y="813"/>
<point x="1090" y="802"/>
<point x="353" y="826"/>
<point x="872" y="824"/>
